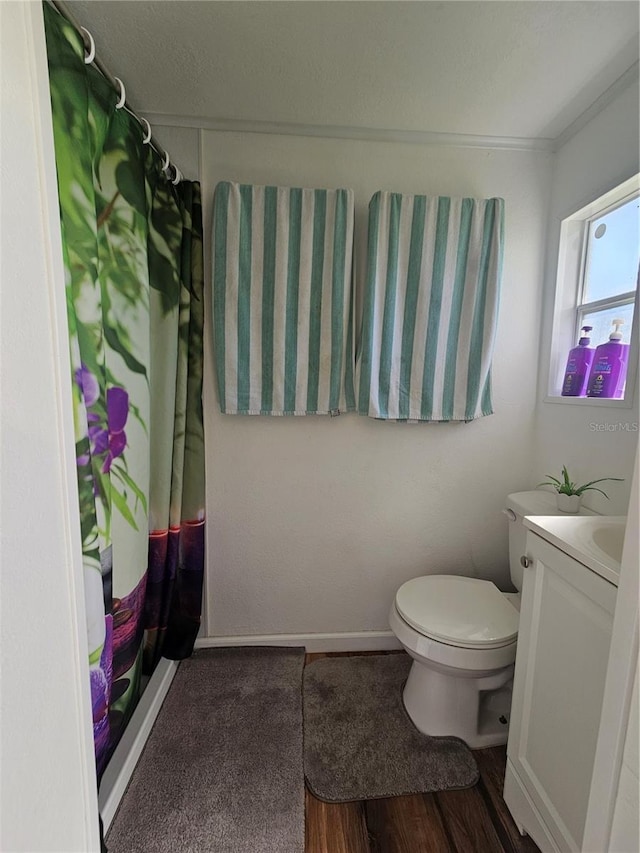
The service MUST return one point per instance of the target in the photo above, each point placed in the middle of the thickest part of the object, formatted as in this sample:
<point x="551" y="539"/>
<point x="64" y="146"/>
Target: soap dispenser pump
<point x="578" y="364"/>
<point x="609" y="367"/>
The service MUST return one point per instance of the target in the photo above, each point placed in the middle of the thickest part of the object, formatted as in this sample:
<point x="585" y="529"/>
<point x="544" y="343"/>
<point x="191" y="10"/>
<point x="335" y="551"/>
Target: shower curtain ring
<point x="147" y="137"/>
<point x="178" y="176"/>
<point x="165" y="167"/>
<point x="89" y="57"/>
<point x="123" y="94"/>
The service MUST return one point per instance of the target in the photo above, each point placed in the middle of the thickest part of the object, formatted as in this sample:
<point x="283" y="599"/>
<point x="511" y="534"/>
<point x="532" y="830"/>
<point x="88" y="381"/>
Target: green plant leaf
<point x="114" y="342"/>
<point x="124" y="478"/>
<point x="591" y="489"/>
<point x="567" y="487"/>
<point x="553" y="482"/>
<point x="135" y="411"/>
<point x="602" y="480"/>
<point x="121" y="503"/>
<point x="131" y="187"/>
<point x="94" y="657"/>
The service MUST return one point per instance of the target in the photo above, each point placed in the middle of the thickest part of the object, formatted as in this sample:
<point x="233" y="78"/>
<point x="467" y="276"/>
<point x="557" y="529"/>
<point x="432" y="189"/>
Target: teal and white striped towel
<point x="282" y="299"/>
<point x="430" y="307"/>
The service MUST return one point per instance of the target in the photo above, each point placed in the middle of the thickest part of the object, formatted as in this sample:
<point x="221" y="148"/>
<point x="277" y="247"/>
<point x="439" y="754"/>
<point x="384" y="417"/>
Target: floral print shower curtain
<point x="132" y="244"/>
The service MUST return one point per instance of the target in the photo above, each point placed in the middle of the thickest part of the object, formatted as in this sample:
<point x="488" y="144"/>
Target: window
<point x="597" y="283"/>
<point x="610" y="271"/>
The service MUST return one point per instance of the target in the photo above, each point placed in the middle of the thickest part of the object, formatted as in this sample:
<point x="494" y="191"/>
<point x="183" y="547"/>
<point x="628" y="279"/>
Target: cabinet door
<point x="563" y="648"/>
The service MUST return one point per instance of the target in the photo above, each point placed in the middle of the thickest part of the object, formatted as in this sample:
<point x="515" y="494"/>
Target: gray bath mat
<point x="359" y="742"/>
<point x="222" y="769"/>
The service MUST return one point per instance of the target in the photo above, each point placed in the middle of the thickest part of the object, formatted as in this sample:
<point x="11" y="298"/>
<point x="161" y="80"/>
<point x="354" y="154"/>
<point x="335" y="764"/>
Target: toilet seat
<point x="465" y="612"/>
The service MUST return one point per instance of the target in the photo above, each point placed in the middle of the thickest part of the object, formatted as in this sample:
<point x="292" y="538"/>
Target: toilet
<point x="461" y="633"/>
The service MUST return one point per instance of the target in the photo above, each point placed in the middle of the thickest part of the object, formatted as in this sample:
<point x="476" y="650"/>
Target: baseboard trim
<point x="358" y="641"/>
<point x="123" y="761"/>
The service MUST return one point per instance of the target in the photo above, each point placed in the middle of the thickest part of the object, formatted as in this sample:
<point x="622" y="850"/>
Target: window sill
<point x="595" y="402"/>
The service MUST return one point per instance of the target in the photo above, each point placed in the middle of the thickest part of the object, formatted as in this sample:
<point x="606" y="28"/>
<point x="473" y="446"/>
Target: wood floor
<point x="475" y="820"/>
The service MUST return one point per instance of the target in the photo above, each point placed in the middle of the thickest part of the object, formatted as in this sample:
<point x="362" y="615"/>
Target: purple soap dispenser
<point x="578" y="364"/>
<point x="609" y="367"/>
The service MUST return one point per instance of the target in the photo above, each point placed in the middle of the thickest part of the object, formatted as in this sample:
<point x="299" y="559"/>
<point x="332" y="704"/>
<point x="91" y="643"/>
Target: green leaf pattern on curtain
<point x="132" y="246"/>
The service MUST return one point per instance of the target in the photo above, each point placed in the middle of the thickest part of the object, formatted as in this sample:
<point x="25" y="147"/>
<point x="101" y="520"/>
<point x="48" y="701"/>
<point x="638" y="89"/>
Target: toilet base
<point x="474" y="707"/>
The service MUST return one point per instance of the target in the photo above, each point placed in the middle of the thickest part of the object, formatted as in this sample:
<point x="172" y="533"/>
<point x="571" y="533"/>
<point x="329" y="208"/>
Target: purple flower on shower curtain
<point x="101" y="678"/>
<point x="90" y="391"/>
<point x="109" y="438"/>
<point x="117" y="413"/>
<point x="88" y="384"/>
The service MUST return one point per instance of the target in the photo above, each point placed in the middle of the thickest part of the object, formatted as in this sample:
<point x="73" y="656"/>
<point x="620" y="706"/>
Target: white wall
<point x="313" y="523"/>
<point x="48" y="796"/>
<point x="600" y="156"/>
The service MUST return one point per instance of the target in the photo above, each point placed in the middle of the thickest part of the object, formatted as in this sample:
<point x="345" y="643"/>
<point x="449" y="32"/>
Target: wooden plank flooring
<point x="475" y="820"/>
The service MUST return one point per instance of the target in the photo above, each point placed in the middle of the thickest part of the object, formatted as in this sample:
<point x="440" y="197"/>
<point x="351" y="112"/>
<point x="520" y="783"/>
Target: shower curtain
<point x="132" y="245"/>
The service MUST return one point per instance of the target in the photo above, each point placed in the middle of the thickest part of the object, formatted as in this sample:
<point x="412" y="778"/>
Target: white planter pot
<point x="568" y="503"/>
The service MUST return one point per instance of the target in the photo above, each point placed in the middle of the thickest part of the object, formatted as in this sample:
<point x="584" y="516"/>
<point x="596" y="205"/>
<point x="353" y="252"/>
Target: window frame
<point x="569" y="309"/>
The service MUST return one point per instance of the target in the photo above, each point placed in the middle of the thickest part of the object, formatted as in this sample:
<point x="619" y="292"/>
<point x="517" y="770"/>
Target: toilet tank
<point x="517" y="506"/>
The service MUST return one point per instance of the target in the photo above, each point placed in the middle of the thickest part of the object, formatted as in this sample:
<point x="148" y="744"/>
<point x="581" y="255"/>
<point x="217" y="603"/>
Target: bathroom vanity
<point x="571" y="570"/>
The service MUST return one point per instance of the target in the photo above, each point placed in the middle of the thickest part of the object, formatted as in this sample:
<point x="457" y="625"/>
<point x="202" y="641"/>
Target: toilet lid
<point x="460" y="611"/>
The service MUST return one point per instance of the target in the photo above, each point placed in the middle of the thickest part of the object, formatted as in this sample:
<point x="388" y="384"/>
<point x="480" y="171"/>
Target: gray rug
<point x="359" y="742"/>
<point x="222" y="769"/>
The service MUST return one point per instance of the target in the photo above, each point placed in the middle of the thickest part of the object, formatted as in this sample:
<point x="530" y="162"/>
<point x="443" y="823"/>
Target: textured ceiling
<point x="524" y="69"/>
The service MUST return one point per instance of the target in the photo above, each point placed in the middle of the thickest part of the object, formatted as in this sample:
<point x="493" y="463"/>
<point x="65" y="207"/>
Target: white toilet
<point x="461" y="633"/>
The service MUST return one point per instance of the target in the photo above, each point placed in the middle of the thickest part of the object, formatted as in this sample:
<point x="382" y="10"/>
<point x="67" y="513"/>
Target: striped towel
<point x="430" y="309"/>
<point x="282" y="300"/>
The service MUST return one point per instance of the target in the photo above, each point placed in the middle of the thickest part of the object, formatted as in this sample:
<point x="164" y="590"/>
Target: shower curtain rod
<point x="117" y="84"/>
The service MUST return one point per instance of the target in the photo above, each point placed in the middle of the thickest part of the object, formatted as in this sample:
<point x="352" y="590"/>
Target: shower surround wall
<point x="316" y="521"/>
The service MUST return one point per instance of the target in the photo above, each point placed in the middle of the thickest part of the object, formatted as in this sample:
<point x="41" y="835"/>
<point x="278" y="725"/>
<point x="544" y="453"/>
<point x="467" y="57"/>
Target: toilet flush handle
<point x="510" y="514"/>
<point x="525" y="562"/>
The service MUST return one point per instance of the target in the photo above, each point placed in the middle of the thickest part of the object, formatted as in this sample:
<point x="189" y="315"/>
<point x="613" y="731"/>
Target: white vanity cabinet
<point x="563" y="647"/>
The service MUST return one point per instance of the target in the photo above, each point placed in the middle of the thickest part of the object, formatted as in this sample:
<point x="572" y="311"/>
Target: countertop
<point x="574" y="534"/>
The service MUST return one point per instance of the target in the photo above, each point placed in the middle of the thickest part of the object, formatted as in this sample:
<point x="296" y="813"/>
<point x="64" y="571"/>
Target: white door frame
<point x="623" y="661"/>
<point x="48" y="798"/>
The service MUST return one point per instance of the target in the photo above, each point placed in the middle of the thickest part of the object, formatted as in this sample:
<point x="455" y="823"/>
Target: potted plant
<point x="569" y="495"/>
